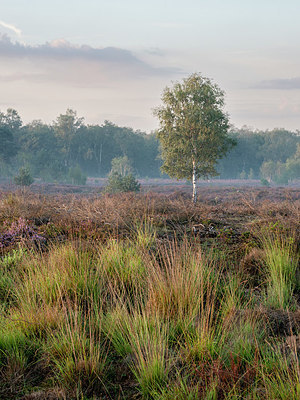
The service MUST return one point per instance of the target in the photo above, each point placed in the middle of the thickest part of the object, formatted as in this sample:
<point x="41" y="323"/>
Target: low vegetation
<point x="24" y="177"/>
<point x="147" y="296"/>
<point x="122" y="184"/>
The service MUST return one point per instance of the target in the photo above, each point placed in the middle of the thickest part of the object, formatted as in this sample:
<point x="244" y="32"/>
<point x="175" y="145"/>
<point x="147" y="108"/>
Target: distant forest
<point x="54" y="152"/>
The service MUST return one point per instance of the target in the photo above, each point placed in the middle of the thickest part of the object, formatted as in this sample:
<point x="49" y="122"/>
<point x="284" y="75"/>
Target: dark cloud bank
<point x="61" y="50"/>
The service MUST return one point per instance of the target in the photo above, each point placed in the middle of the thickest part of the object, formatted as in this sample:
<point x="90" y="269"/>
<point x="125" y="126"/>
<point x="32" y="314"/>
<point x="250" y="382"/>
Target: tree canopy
<point x="8" y="146"/>
<point x="193" y="129"/>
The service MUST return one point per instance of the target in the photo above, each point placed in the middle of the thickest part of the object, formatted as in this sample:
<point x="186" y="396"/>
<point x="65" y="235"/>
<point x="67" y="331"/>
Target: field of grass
<point x="146" y="296"/>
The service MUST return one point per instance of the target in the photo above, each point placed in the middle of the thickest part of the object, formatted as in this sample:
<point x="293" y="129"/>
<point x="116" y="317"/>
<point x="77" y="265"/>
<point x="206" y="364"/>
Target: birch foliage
<point x="193" y="128"/>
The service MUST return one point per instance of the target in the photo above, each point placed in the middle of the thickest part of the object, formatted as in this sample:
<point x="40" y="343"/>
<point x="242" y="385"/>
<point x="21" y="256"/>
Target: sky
<point x="111" y="59"/>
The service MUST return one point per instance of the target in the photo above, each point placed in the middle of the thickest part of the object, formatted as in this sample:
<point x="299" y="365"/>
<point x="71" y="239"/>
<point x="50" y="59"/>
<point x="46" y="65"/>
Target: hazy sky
<point x="111" y="59"/>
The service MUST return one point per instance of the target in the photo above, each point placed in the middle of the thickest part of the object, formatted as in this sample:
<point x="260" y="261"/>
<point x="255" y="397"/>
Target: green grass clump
<point x="144" y="339"/>
<point x="280" y="373"/>
<point x="20" y="360"/>
<point x="77" y="353"/>
<point x="122" y="263"/>
<point x="8" y="271"/>
<point x="281" y="261"/>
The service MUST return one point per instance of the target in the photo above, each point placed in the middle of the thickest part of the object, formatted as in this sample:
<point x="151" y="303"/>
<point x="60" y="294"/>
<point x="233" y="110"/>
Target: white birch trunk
<point x="194" y="183"/>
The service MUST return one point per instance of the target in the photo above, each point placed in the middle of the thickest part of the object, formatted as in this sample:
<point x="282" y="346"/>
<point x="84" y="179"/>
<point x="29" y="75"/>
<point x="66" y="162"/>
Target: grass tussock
<point x="281" y="260"/>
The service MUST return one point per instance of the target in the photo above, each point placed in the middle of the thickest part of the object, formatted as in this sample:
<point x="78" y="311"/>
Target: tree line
<point x="68" y="148"/>
<point x="57" y="151"/>
<point x="273" y="155"/>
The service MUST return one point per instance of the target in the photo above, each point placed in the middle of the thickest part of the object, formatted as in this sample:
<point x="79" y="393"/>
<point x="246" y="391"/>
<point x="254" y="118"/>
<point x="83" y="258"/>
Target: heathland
<point x="147" y="296"/>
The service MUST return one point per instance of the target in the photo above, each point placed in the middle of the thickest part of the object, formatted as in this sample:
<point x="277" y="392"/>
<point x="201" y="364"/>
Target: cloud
<point x="11" y="27"/>
<point x="280" y="84"/>
<point x="119" y="59"/>
<point x="62" y="49"/>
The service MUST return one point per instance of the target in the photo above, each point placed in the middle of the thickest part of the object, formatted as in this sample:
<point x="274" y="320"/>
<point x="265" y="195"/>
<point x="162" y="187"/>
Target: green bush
<point x="24" y="177"/>
<point x="118" y="183"/>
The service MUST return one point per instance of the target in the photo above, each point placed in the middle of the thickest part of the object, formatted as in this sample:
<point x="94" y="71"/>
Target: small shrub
<point x="24" y="177"/>
<point x="130" y="184"/>
<point x="118" y="183"/>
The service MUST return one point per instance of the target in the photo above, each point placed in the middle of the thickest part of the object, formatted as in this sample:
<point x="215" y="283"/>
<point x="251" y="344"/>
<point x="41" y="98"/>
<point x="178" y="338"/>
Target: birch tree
<point x="193" y="130"/>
